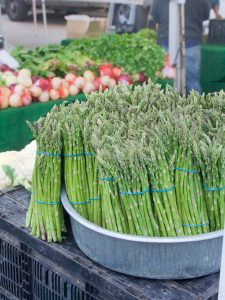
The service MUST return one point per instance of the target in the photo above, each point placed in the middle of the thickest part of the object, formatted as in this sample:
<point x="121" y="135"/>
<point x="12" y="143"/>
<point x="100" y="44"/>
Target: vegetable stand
<point x="14" y="133"/>
<point x="65" y="272"/>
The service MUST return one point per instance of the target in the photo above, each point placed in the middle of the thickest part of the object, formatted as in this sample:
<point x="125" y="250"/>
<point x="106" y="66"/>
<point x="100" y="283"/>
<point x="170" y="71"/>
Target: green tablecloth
<point x="212" y="67"/>
<point x="14" y="133"/>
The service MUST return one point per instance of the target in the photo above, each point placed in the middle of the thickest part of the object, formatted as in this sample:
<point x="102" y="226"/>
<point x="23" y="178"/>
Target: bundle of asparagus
<point x="45" y="215"/>
<point x="80" y="165"/>
<point x="210" y="152"/>
<point x="136" y="160"/>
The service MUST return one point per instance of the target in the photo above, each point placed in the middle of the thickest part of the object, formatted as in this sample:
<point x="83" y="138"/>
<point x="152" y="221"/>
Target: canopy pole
<point x="177" y="42"/>
<point x="34" y="8"/>
<point x="44" y="13"/>
<point x="182" y="48"/>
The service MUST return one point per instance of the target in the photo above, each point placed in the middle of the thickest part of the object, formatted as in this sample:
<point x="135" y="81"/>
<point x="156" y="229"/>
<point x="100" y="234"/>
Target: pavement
<point x="24" y="33"/>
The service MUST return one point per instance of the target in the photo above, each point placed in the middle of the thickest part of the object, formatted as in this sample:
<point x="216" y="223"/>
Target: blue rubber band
<point x="107" y="179"/>
<point x="187" y="171"/>
<point x="48" y="154"/>
<point x="79" y="154"/>
<point x="82" y="202"/>
<point x="89" y="154"/>
<point x="67" y="155"/>
<point x="135" y="193"/>
<point x="195" y="225"/>
<point x="164" y="190"/>
<point x="213" y="189"/>
<point x="73" y="155"/>
<point x="47" y="203"/>
<point x="95" y="199"/>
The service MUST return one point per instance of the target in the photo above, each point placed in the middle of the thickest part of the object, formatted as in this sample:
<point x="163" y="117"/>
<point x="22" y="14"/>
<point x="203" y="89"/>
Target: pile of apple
<point x="21" y="88"/>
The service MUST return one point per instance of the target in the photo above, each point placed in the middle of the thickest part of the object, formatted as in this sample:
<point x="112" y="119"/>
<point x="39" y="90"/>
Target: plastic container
<point x="84" y="26"/>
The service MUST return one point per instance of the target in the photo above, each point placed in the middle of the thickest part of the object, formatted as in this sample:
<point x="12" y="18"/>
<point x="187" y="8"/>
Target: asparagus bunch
<point x="75" y="172"/>
<point x="209" y="150"/>
<point x="136" y="160"/>
<point x="189" y="191"/>
<point x="45" y="215"/>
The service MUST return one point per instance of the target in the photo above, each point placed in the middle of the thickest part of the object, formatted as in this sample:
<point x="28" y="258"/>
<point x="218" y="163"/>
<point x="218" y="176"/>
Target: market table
<point x="14" y="132"/>
<point x="34" y="269"/>
<point x="212" y="68"/>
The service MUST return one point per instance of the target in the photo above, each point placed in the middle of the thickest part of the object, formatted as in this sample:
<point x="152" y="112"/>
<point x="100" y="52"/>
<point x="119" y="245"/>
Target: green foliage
<point x="52" y="60"/>
<point x="135" y="53"/>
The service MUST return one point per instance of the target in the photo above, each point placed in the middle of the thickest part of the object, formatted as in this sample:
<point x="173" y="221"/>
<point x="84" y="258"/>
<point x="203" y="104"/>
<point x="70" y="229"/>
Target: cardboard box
<point x="84" y="26"/>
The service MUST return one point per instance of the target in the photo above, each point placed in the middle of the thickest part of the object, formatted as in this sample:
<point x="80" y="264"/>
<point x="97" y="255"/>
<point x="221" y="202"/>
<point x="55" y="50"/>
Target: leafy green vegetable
<point x="2" y="81"/>
<point x="52" y="60"/>
<point x="135" y="53"/>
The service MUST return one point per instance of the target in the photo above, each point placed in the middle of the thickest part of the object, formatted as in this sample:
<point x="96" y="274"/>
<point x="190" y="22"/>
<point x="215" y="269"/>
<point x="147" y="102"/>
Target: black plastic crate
<point x="11" y="269"/>
<point x="33" y="269"/>
<point x="24" y="276"/>
<point x="4" y="295"/>
<point x="216" y="32"/>
<point x="48" y="285"/>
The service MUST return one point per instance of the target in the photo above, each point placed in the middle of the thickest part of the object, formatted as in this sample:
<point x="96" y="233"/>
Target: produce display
<point x="85" y="65"/>
<point x="16" y="167"/>
<point x="20" y="88"/>
<point x="135" y="160"/>
<point x="137" y="54"/>
<point x="46" y="220"/>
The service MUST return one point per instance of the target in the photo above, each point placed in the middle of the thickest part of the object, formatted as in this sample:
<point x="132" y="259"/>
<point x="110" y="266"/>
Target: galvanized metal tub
<point x="148" y="257"/>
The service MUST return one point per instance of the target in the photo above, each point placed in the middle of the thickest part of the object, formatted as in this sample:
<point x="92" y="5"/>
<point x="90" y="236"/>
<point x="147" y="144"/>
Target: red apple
<point x="125" y="79"/>
<point x="70" y="77"/>
<point x="73" y="90"/>
<point x="44" y="84"/>
<point x="89" y="76"/>
<point x="4" y="97"/>
<point x="80" y="82"/>
<point x="26" y="98"/>
<point x="63" y="92"/>
<point x="54" y="94"/>
<point x="117" y="72"/>
<point x="106" y="70"/>
<point x="140" y="77"/>
<point x="15" y="100"/>
<point x="44" y="97"/>
<point x="105" y="80"/>
<point x="88" y="88"/>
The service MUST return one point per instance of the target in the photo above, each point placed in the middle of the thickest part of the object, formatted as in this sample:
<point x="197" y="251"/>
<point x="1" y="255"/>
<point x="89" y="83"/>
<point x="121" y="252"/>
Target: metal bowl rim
<point x="128" y="237"/>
